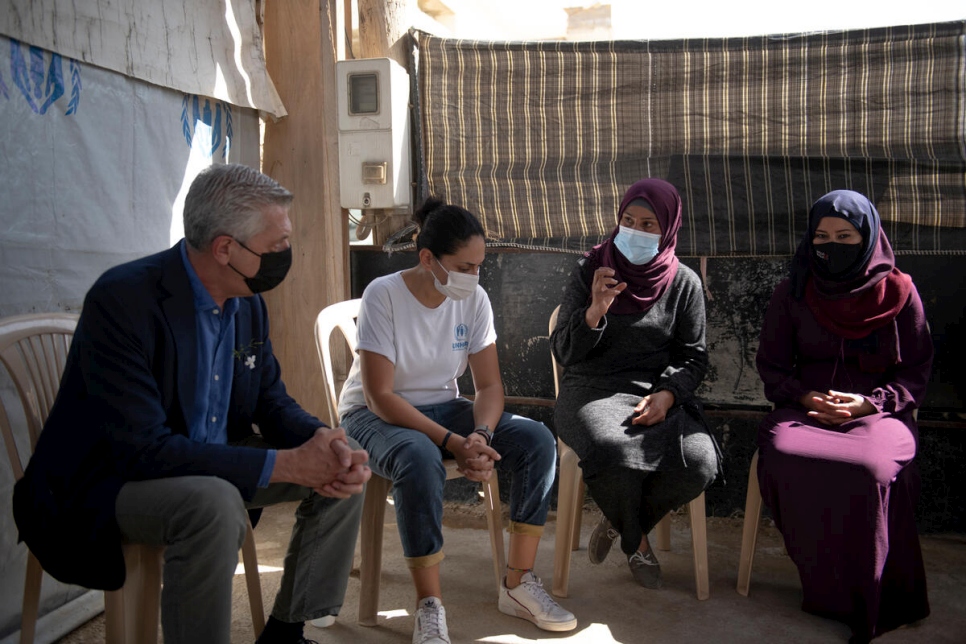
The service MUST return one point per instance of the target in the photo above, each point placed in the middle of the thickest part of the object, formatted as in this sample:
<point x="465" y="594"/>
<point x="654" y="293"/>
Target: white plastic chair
<point x="343" y="316"/>
<point x="33" y="349"/>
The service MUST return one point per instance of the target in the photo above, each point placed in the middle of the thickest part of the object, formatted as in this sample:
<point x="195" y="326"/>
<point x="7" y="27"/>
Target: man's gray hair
<point x="228" y="200"/>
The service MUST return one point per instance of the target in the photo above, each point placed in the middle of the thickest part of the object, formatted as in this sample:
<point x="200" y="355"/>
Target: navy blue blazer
<point x="118" y="416"/>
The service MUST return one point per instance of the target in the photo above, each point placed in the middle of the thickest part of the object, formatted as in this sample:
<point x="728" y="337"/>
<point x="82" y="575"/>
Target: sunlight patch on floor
<point x="592" y="633"/>
<point x="240" y="569"/>
<point x="393" y="614"/>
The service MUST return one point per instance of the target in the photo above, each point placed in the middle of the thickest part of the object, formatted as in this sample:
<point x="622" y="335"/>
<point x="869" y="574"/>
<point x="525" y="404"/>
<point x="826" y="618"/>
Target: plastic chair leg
<point x="250" y="558"/>
<point x="578" y="512"/>
<point x="114" y="617"/>
<point x="31" y="599"/>
<point x="131" y="614"/>
<point x="145" y="623"/>
<point x="494" y="523"/>
<point x="699" y="545"/>
<point x="370" y="566"/>
<point x="567" y="507"/>
<point x="749" y="530"/>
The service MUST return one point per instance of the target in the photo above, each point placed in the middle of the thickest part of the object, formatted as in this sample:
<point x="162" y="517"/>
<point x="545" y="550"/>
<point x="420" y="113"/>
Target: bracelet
<point x="484" y="431"/>
<point x="445" y="439"/>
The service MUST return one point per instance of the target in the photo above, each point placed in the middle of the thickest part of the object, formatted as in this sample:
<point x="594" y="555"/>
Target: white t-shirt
<point x="428" y="347"/>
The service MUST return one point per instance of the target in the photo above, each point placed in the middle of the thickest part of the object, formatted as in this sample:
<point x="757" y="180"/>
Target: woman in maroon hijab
<point x="630" y="334"/>
<point x="845" y="355"/>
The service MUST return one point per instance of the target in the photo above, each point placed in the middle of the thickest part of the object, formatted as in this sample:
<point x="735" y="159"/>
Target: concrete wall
<point x="524" y="288"/>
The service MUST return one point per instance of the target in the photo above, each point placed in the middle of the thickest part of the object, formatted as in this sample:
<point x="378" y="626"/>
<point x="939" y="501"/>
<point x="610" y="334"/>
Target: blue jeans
<point x="414" y="464"/>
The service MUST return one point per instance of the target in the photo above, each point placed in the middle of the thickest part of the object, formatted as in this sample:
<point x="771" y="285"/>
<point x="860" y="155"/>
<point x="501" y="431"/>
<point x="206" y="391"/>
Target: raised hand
<point x="603" y="290"/>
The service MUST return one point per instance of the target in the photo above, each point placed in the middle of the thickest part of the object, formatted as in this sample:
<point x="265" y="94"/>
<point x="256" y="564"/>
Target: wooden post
<point x="382" y="27"/>
<point x="301" y="151"/>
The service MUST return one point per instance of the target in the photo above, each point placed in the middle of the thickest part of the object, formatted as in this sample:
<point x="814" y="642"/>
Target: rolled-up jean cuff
<point x="525" y="529"/>
<point x="425" y="561"/>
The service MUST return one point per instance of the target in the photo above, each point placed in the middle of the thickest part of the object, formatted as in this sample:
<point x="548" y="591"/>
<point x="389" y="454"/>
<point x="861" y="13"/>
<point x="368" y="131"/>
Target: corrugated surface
<point x="542" y="138"/>
<point x="207" y="48"/>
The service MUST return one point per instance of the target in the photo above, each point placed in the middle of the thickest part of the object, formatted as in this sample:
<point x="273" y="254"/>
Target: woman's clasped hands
<point x="474" y="458"/>
<point x="836" y="407"/>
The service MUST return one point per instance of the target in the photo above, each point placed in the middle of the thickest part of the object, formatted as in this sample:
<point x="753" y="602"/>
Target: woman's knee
<point x="877" y="449"/>
<point x="532" y="438"/>
<point x="416" y="460"/>
<point x="543" y="445"/>
<point x="882" y="468"/>
<point x="890" y="446"/>
<point x="701" y="458"/>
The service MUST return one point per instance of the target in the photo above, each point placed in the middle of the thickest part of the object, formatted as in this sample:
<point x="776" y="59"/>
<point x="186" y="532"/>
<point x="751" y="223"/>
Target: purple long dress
<point x="844" y="497"/>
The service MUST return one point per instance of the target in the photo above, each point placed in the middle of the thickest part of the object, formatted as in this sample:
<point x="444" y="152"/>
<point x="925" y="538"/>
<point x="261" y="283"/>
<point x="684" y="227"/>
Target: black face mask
<point x="834" y="259"/>
<point x="271" y="271"/>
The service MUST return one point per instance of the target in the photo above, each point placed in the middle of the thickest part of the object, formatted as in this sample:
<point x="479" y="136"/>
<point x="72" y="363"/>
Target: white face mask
<point x="458" y="286"/>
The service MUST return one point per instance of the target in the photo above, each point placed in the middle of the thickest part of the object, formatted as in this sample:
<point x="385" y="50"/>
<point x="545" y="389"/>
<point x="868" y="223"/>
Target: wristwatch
<point x="484" y="431"/>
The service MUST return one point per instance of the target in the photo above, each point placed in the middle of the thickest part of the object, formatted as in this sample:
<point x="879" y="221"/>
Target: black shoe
<point x="646" y="569"/>
<point x="601" y="541"/>
<point x="279" y="632"/>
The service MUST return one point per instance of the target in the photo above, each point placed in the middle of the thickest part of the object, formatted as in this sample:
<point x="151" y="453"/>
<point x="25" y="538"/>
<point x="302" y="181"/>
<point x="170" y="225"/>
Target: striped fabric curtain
<point x="541" y="139"/>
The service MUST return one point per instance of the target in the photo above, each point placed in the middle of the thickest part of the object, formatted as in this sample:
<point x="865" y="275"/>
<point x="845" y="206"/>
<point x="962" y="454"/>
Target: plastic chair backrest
<point x="341" y="316"/>
<point x="556" y="367"/>
<point x="33" y="350"/>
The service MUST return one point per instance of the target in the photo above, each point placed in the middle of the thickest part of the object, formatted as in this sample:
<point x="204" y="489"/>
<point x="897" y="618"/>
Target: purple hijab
<point x="646" y="283"/>
<point x="875" y="262"/>
<point x="871" y="292"/>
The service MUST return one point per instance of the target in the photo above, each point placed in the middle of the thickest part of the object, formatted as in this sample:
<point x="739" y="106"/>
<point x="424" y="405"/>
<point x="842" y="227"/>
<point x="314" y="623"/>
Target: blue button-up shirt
<point x="208" y="420"/>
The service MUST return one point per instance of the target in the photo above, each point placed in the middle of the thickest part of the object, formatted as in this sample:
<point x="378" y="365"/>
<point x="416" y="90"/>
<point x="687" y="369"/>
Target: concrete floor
<point x="609" y="606"/>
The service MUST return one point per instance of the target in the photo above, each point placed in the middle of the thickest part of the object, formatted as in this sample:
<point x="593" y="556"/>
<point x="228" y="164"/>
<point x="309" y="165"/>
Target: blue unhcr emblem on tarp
<point x="209" y="125"/>
<point x="41" y="81"/>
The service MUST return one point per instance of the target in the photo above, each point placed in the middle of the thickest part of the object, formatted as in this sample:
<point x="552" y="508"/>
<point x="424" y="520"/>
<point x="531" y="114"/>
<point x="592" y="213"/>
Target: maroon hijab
<point x="868" y="295"/>
<point x="646" y="283"/>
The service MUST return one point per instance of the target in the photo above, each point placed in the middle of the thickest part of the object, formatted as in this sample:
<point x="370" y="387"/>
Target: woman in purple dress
<point x="845" y="355"/>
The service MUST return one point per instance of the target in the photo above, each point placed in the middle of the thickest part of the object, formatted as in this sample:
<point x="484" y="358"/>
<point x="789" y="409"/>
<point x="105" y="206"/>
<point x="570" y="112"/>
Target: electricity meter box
<point x="374" y="150"/>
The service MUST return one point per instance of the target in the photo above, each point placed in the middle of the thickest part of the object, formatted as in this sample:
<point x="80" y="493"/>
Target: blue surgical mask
<point x="637" y="246"/>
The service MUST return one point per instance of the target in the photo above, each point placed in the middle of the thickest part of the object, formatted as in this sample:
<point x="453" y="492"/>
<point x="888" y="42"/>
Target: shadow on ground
<point x="608" y="605"/>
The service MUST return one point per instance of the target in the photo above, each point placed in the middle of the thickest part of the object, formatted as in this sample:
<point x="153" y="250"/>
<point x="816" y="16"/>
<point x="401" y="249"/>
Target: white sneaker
<point x="531" y="602"/>
<point x="430" y="625"/>
<point x="323" y="622"/>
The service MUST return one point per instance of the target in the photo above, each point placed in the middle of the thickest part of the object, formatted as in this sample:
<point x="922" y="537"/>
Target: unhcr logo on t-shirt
<point x="459" y="332"/>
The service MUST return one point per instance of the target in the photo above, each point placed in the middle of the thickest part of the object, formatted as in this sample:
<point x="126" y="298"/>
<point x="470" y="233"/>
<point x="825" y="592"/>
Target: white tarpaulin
<point x="95" y="166"/>
<point x="206" y="48"/>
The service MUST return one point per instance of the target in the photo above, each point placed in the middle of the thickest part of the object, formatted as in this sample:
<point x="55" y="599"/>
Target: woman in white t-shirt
<point x="418" y="330"/>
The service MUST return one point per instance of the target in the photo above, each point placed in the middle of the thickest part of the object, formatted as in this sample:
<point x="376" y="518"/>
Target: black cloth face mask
<point x="271" y="271"/>
<point x="834" y="259"/>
